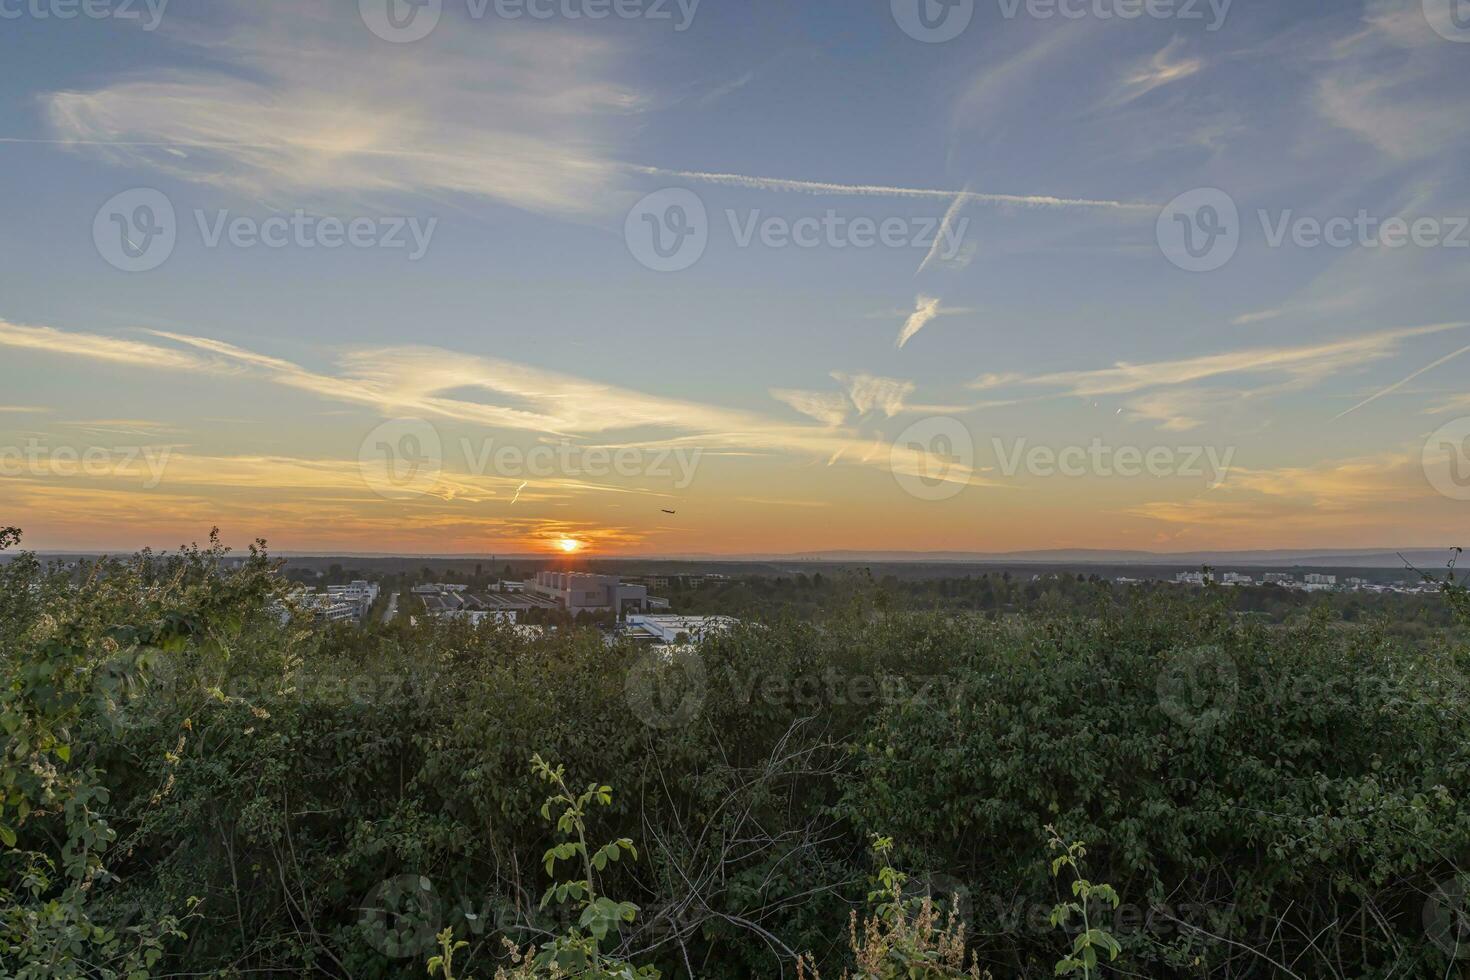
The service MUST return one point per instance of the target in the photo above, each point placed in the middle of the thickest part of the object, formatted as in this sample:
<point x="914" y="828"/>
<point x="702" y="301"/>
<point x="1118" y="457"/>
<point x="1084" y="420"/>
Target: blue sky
<point x="1045" y="145"/>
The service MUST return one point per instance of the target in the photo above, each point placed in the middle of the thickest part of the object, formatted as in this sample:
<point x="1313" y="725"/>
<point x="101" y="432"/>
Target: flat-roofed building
<point x="676" y="629"/>
<point x="585" y="592"/>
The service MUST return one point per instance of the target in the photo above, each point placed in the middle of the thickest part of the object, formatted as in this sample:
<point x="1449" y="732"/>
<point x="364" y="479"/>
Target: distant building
<point x="1315" y="579"/>
<point x="1278" y="578"/>
<point x="1236" y="578"/>
<point x="676" y="629"/>
<point x="584" y="592"/>
<point x="331" y="608"/>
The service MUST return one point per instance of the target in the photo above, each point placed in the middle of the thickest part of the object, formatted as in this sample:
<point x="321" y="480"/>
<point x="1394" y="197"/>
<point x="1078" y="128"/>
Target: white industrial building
<point x="584" y="592"/>
<point x="676" y="629"/>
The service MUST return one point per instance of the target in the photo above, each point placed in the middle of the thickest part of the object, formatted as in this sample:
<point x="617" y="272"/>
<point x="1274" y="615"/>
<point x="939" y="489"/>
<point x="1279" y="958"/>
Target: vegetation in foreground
<point x="194" y="783"/>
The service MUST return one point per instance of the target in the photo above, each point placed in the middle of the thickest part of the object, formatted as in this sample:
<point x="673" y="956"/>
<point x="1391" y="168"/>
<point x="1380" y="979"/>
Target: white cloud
<point x="290" y="110"/>
<point x="1162" y="68"/>
<point x="926" y="308"/>
<point x="869" y="392"/>
<point x="880" y="190"/>
<point x="1303" y="364"/>
<point x="413" y="381"/>
<point x="1387" y="83"/>
<point x="826" y="407"/>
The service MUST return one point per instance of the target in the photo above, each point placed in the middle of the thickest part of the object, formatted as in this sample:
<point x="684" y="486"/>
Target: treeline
<point x="194" y="784"/>
<point x="1005" y="592"/>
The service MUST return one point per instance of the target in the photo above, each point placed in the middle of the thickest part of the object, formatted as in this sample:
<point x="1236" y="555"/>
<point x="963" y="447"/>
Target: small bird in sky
<point x="670" y="512"/>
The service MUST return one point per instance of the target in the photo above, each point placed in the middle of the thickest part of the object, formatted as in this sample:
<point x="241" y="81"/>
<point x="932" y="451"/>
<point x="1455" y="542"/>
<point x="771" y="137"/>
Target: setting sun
<point x="569" y="545"/>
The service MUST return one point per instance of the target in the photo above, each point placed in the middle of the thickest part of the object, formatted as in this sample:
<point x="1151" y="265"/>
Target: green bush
<point x="198" y="782"/>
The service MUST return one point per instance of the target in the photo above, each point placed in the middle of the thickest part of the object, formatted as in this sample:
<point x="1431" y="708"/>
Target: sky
<point x="735" y="276"/>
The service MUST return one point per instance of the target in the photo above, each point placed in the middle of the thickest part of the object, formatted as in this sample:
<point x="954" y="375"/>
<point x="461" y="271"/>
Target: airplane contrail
<point x="1399" y="384"/>
<point x="880" y="190"/>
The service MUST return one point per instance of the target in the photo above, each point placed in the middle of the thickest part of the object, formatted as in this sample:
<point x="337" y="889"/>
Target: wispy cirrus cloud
<point x="1368" y="494"/>
<point x="926" y="310"/>
<point x="870" y="393"/>
<point x="827" y="407"/>
<point x="1303" y="363"/>
<point x="827" y="188"/>
<point x="1384" y="83"/>
<point x="291" y="108"/>
<point x="432" y="383"/>
<point x="864" y="392"/>
<point x="1164" y="67"/>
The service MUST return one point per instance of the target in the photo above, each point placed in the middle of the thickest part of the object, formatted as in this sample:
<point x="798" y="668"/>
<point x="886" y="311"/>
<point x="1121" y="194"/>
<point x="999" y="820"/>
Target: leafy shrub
<point x="183" y="757"/>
